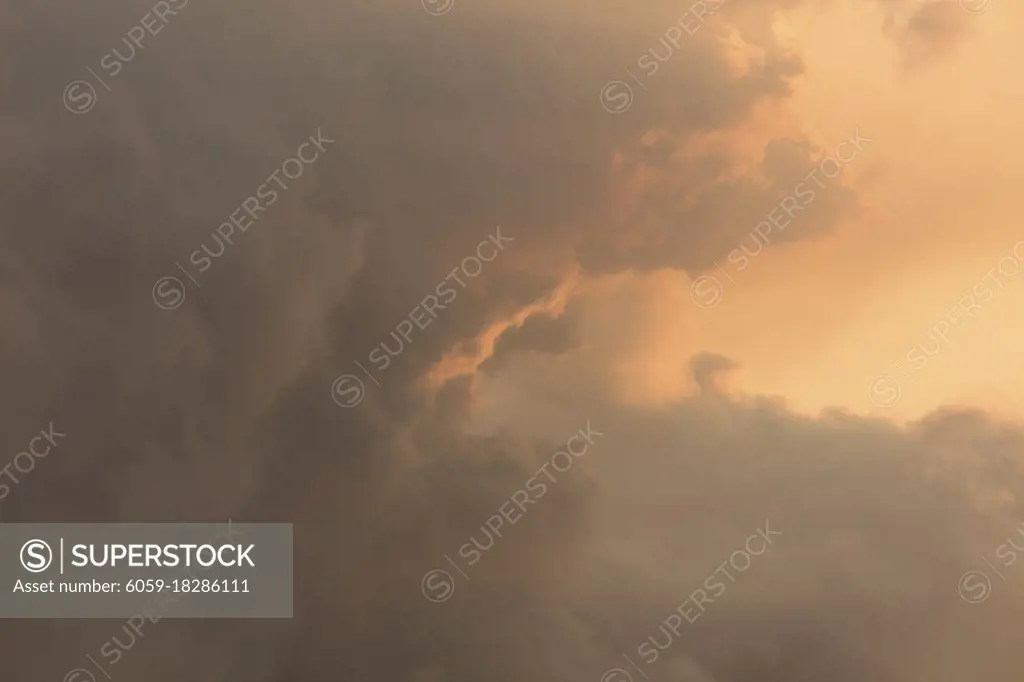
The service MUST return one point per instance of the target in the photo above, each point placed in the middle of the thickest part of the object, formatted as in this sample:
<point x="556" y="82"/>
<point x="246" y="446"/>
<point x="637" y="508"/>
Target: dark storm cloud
<point x="933" y="30"/>
<point x="927" y="30"/>
<point x="878" y="524"/>
<point x="708" y="369"/>
<point x="541" y="332"/>
<point x="444" y="127"/>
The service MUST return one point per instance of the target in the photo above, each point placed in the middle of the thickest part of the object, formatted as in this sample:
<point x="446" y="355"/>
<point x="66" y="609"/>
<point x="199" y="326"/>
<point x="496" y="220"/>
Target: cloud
<point x="444" y="127"/>
<point x="541" y="332"/>
<point x="878" y="525"/>
<point x="930" y="30"/>
<point x="708" y="369"/>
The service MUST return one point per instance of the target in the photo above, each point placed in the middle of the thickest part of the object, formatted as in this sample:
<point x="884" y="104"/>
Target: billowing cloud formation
<point x="541" y="332"/>
<point x="930" y="29"/>
<point x="707" y="371"/>
<point x="878" y="525"/>
<point x="434" y="130"/>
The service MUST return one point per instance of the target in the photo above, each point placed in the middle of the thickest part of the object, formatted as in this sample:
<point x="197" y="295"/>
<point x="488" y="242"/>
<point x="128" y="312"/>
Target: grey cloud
<point x="708" y="369"/>
<point x="540" y="332"/>
<point x="934" y="30"/>
<point x="926" y="31"/>
<point x="879" y="523"/>
<point x="445" y="127"/>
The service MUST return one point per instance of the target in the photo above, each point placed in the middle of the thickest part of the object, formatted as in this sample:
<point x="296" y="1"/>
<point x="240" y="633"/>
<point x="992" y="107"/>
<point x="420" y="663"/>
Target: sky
<point x="580" y="340"/>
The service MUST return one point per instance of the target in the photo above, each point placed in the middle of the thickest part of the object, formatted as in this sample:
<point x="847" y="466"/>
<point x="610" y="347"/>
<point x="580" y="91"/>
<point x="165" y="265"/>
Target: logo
<point x="168" y="293"/>
<point x="974" y="587"/>
<point x="616" y="97"/>
<point x="884" y="390"/>
<point x="348" y="391"/>
<point x="974" y="6"/>
<point x="616" y="675"/>
<point x="74" y="676"/>
<point x="438" y="7"/>
<point x="707" y="291"/>
<point x="438" y="586"/>
<point x="36" y="556"/>
<point x="79" y="97"/>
